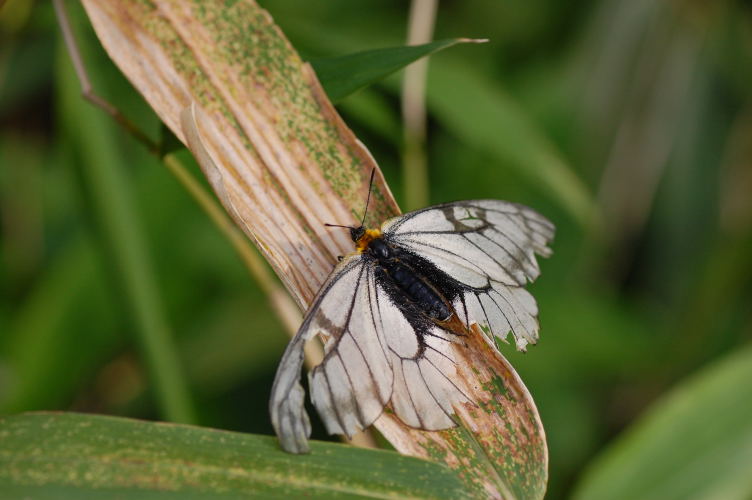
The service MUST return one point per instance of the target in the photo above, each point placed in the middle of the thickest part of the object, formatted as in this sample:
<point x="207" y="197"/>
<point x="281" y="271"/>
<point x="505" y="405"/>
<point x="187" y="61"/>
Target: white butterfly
<point x="387" y="311"/>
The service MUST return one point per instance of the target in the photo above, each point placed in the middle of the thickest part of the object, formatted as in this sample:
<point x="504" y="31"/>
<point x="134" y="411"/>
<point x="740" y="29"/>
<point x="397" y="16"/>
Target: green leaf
<point x="694" y="444"/>
<point x="70" y="455"/>
<point x="341" y="76"/>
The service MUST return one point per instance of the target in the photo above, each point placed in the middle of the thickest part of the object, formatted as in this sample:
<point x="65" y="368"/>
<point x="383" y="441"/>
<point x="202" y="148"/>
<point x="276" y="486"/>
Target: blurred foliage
<point x="627" y="122"/>
<point x="695" y="443"/>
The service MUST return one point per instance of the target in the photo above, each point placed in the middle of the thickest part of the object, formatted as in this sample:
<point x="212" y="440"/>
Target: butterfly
<point x="391" y="310"/>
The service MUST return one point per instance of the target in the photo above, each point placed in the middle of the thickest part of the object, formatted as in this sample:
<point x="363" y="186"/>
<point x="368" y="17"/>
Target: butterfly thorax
<point x="364" y="237"/>
<point x="394" y="266"/>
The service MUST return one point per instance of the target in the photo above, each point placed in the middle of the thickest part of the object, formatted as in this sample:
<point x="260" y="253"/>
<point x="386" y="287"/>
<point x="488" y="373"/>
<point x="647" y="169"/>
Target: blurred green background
<point x="626" y="122"/>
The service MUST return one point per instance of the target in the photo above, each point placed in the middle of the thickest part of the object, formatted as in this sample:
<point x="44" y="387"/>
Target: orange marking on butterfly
<point x="366" y="239"/>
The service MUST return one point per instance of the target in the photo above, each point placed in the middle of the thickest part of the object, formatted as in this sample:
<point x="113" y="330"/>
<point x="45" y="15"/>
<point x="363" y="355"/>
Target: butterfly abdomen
<point x="408" y="282"/>
<point x="420" y="292"/>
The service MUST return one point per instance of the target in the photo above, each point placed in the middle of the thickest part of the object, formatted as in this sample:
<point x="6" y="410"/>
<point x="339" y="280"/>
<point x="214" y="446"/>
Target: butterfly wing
<point x="488" y="248"/>
<point x="353" y="383"/>
<point x="424" y="393"/>
<point x="378" y="350"/>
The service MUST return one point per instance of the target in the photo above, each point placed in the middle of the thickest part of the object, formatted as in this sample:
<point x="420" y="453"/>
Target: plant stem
<point x="415" y="161"/>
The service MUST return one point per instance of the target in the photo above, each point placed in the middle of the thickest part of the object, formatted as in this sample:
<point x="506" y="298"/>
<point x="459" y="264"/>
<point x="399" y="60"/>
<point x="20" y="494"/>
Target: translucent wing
<point x="378" y="350"/>
<point x="355" y="367"/>
<point x="488" y="247"/>
<point x="424" y="393"/>
<point x="420" y="368"/>
<point x="353" y="383"/>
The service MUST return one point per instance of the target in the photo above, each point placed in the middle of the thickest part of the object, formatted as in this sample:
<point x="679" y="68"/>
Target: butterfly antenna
<point x="368" y="199"/>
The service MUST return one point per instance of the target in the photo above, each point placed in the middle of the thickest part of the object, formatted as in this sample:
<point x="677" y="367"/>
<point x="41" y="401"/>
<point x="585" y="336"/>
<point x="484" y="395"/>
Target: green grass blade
<point x="86" y="456"/>
<point x="341" y="76"/>
<point x="695" y="443"/>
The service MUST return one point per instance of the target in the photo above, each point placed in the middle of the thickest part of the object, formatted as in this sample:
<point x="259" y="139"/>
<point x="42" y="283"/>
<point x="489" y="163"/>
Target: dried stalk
<point x="415" y="161"/>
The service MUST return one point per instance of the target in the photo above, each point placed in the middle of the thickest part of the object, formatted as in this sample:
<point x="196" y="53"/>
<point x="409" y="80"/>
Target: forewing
<point x="488" y="248"/>
<point x="355" y="362"/>
<point x="353" y="383"/>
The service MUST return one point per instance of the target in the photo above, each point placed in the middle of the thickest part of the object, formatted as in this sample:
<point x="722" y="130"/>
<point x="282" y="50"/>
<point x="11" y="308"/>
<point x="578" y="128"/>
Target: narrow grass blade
<point x="343" y="75"/>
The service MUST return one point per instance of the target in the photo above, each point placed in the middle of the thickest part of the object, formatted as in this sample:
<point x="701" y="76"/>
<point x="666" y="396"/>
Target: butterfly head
<point x="361" y="236"/>
<point x="357" y="233"/>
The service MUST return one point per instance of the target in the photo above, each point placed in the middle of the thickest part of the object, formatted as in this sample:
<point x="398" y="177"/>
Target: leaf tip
<point x="474" y="40"/>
